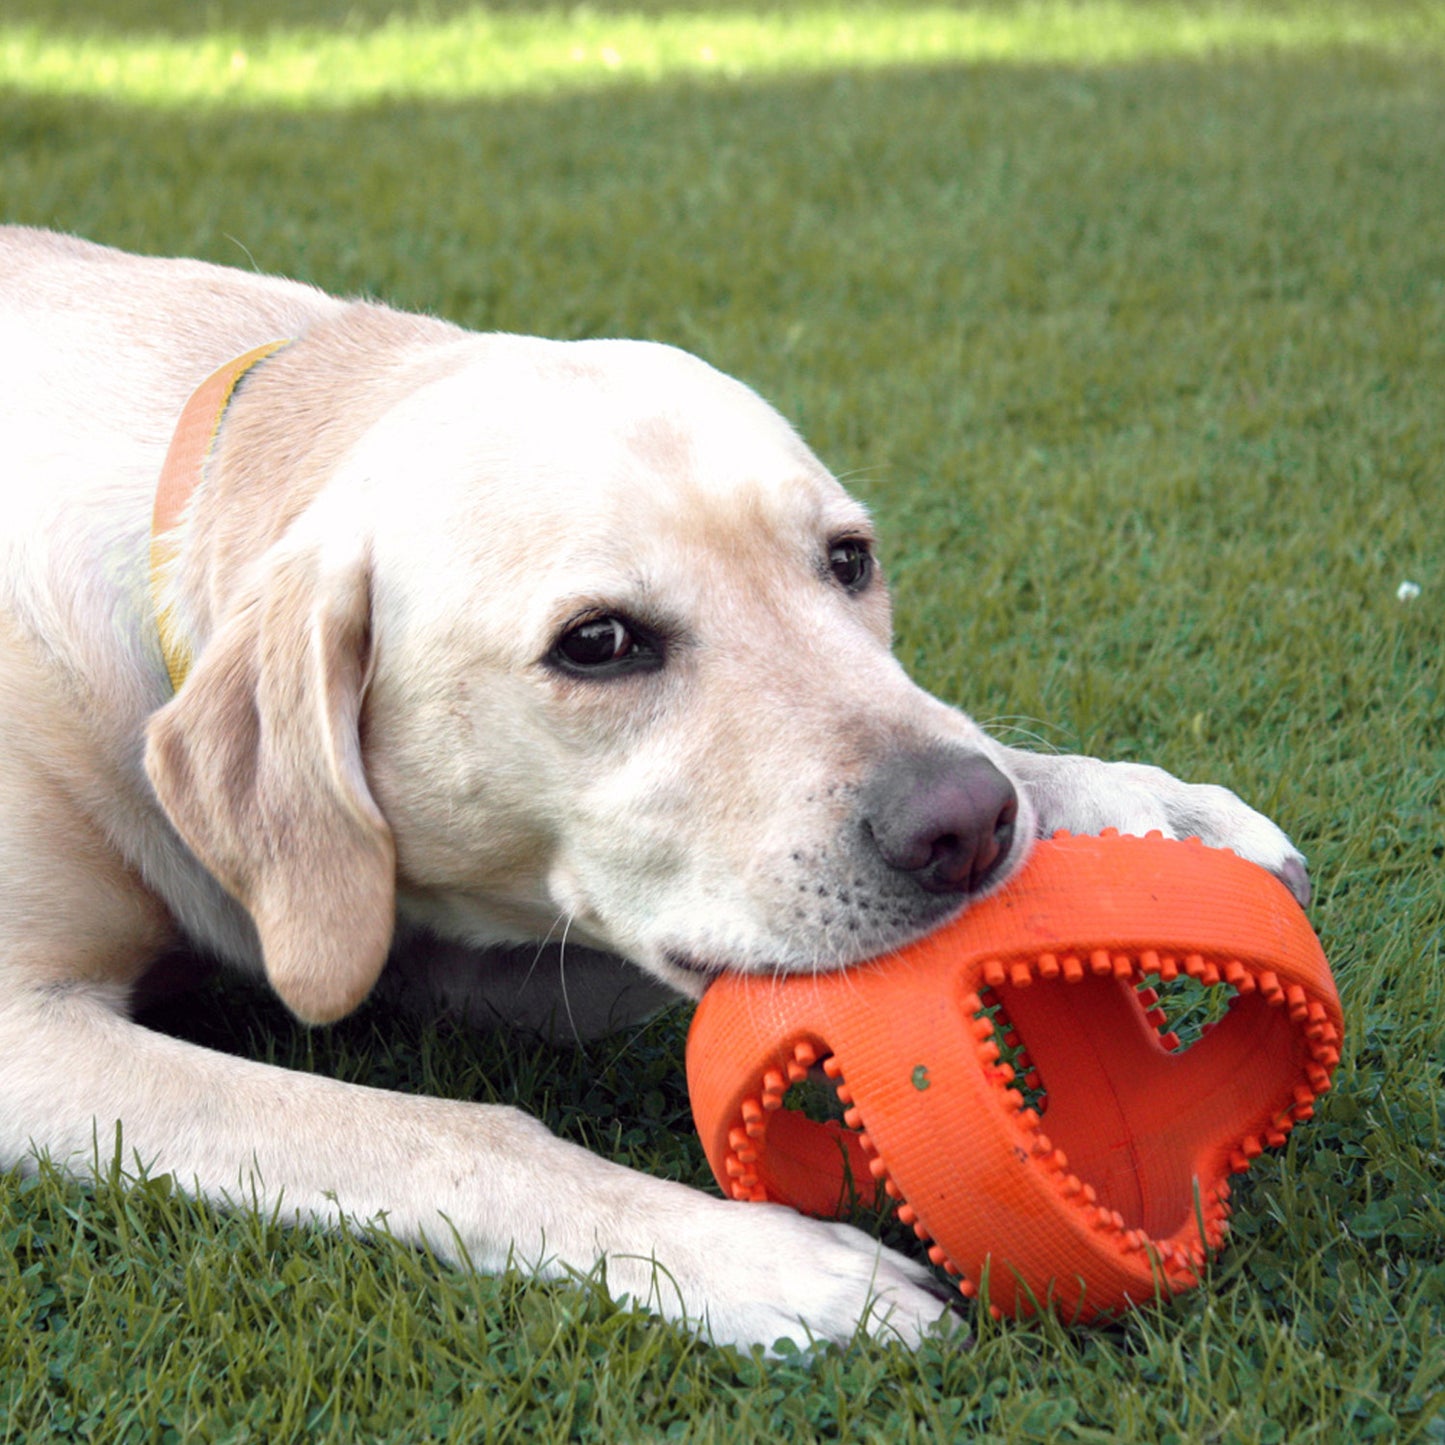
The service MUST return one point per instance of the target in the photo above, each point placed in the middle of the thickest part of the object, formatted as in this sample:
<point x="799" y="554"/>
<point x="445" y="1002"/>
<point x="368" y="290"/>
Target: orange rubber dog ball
<point x="1014" y="1083"/>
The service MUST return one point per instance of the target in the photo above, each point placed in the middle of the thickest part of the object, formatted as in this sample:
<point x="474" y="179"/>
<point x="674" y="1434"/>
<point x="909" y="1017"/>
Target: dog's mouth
<point x="705" y="969"/>
<point x="901" y="933"/>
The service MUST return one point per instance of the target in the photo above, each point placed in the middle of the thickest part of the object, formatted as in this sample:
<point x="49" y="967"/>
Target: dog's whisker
<point x="540" y="950"/>
<point x="1014" y="726"/>
<point x="854" y="473"/>
<point x="562" y="980"/>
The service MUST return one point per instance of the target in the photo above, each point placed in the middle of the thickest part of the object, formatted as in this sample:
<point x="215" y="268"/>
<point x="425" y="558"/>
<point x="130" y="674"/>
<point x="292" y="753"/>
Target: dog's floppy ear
<point x="257" y="762"/>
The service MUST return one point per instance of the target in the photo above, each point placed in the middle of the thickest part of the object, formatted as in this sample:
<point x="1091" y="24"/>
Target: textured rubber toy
<point x="1012" y="1083"/>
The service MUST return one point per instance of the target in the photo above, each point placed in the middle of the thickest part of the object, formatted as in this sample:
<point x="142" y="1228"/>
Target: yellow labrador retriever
<point x="445" y="644"/>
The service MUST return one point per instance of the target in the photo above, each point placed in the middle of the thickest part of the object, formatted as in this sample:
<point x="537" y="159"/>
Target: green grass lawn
<point x="1128" y="320"/>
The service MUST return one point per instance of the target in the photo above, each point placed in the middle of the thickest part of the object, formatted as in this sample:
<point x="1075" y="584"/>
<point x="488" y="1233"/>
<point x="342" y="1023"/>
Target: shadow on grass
<point x="625" y="1095"/>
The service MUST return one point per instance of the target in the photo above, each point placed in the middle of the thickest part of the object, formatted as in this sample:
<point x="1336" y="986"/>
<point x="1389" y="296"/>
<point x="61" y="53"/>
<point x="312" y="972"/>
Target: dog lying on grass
<point x="446" y="643"/>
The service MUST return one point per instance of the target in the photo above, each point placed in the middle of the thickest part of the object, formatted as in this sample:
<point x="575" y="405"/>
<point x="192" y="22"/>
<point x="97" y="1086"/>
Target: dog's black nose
<point x="943" y="816"/>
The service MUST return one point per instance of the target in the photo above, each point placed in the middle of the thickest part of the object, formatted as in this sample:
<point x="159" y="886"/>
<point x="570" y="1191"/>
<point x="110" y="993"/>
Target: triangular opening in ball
<point x="1137" y="1070"/>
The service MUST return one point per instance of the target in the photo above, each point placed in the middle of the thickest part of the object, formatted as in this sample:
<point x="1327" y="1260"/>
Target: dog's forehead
<point x="647" y="410"/>
<point x="615" y="438"/>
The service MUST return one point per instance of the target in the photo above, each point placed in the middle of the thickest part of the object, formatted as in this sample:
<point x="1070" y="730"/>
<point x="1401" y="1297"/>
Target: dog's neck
<point x="185" y="464"/>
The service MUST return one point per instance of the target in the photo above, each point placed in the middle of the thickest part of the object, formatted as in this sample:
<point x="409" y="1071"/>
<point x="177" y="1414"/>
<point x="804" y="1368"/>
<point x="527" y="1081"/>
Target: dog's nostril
<point x="995" y="847"/>
<point x="944" y="818"/>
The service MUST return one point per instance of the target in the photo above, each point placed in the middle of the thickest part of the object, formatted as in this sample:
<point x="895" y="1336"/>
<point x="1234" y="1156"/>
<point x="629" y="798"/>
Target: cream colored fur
<point x="373" y="766"/>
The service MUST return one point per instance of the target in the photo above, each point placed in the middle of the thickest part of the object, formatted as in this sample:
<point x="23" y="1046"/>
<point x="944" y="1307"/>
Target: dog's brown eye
<point x="595" y="644"/>
<point x="605" y="646"/>
<point x="851" y="562"/>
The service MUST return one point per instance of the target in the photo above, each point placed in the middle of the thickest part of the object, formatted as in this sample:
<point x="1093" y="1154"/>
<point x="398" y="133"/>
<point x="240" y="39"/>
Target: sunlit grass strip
<point x="481" y="54"/>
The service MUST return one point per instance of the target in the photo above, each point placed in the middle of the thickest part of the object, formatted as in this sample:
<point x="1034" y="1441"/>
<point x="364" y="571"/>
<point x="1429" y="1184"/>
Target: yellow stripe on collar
<point x="185" y="463"/>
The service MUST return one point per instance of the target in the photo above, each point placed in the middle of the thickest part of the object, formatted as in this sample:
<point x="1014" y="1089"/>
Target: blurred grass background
<point x="1128" y="320"/>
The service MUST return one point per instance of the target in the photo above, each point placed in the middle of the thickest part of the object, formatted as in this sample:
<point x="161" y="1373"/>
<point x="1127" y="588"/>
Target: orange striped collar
<point x="185" y="463"/>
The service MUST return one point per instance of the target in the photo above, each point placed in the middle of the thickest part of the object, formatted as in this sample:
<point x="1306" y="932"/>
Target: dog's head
<point x="574" y="636"/>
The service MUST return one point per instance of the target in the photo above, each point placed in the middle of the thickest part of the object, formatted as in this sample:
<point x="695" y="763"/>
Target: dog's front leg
<point x="1086" y="795"/>
<point x="480" y="1184"/>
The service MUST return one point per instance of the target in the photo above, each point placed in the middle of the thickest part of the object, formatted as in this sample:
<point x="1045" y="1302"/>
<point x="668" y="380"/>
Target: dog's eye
<point x="605" y="646"/>
<point x="850" y="560"/>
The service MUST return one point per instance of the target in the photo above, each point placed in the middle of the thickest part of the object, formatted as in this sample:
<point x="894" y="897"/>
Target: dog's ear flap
<point x="257" y="762"/>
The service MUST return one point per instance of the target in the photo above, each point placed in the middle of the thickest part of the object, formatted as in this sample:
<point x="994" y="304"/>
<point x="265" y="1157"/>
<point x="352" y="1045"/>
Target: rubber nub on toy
<point x="1012" y="1082"/>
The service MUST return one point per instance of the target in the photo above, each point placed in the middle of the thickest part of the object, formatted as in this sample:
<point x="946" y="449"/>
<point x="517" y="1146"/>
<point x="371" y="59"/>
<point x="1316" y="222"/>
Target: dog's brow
<point x="848" y="515"/>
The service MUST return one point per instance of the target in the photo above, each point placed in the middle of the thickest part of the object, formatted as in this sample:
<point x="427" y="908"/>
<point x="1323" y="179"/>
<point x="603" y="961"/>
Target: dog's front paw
<point x="747" y="1274"/>
<point x="826" y="1281"/>
<point x="1085" y="795"/>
